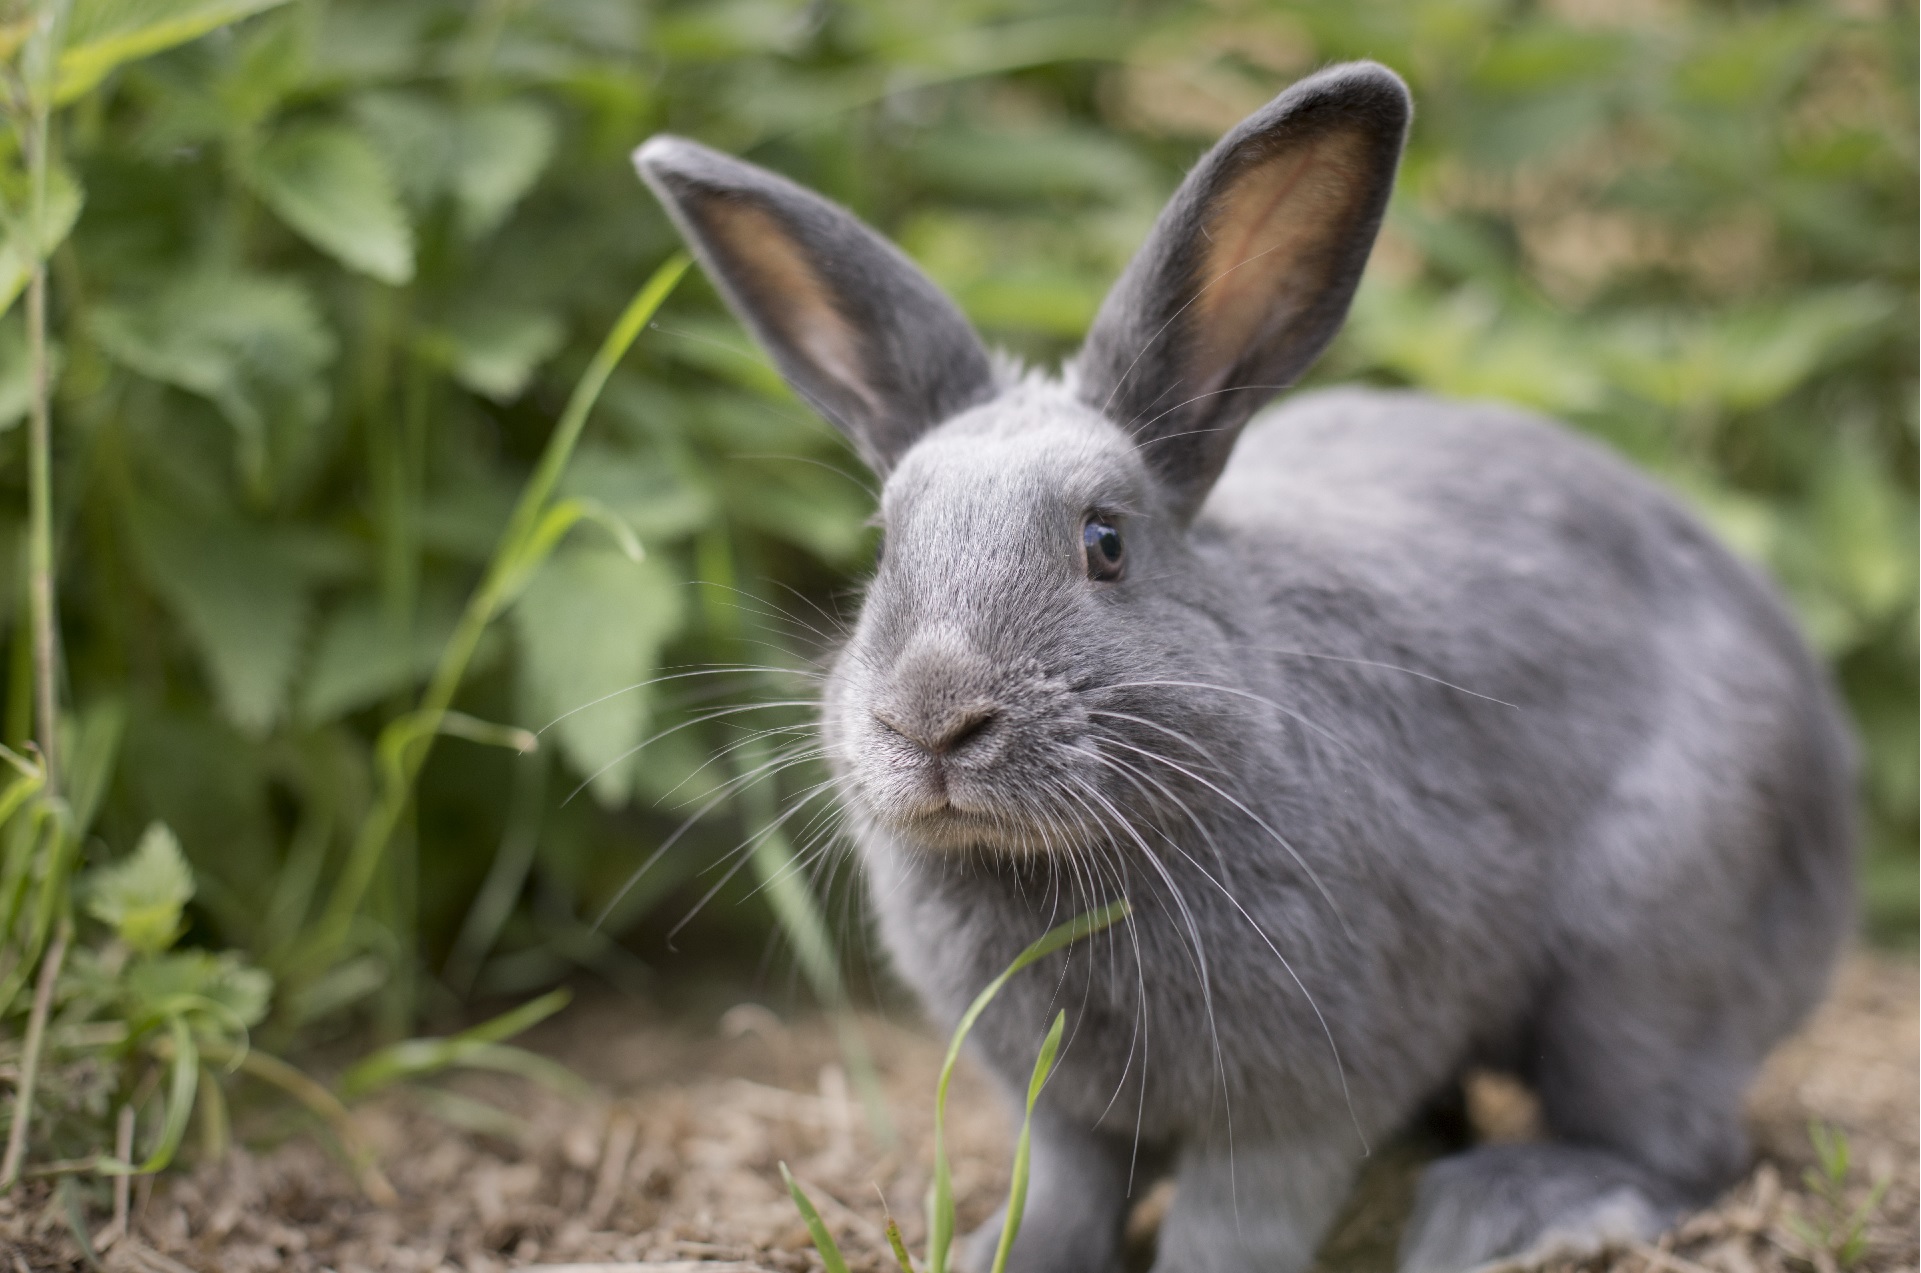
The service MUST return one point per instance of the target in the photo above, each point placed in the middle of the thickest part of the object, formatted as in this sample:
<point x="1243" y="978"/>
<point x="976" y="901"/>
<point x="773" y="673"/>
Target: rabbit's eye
<point x="1101" y="545"/>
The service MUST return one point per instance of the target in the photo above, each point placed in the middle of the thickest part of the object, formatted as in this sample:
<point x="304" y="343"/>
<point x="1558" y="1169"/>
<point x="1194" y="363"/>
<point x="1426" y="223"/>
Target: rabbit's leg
<point x="1503" y="1201"/>
<point x="1640" y="1087"/>
<point x="1259" y="1208"/>
<point x="1076" y="1204"/>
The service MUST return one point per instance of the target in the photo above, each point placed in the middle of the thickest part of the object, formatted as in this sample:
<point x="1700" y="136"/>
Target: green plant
<point x="940" y="1197"/>
<point x="1840" y="1230"/>
<point x="296" y="291"/>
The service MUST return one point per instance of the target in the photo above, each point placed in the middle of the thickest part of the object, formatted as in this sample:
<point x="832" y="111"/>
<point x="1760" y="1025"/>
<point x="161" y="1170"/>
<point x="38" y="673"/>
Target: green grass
<point x="940" y="1197"/>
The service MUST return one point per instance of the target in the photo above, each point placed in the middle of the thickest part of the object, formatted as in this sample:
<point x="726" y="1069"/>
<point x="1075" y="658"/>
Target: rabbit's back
<point x="1664" y="743"/>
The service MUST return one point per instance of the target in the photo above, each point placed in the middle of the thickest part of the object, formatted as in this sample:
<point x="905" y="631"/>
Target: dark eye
<point x="1101" y="546"/>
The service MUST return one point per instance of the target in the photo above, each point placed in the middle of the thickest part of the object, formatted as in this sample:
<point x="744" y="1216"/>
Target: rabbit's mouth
<point x="951" y="829"/>
<point x="943" y="810"/>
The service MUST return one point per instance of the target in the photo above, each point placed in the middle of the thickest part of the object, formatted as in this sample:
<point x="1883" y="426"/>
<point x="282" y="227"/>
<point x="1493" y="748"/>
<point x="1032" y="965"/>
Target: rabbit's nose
<point x="940" y="733"/>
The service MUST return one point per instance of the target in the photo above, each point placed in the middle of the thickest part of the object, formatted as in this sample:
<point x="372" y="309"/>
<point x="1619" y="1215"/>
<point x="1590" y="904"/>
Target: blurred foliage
<point x="325" y="276"/>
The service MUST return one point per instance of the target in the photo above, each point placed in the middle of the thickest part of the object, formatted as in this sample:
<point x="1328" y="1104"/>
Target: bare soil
<point x="672" y="1159"/>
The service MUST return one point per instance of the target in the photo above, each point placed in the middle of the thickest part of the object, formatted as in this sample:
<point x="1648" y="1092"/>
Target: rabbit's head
<point x="1039" y="586"/>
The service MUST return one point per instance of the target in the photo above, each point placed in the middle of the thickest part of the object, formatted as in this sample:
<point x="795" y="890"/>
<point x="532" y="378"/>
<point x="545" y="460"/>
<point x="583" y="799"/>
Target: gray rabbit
<point x="1419" y="735"/>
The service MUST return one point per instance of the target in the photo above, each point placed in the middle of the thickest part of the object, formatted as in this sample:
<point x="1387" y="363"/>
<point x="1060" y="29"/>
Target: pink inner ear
<point x="788" y="293"/>
<point x="1271" y="238"/>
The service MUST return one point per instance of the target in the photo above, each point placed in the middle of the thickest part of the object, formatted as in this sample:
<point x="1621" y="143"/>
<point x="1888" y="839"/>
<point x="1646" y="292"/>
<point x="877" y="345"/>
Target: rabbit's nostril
<point x="964" y="727"/>
<point x="942" y="734"/>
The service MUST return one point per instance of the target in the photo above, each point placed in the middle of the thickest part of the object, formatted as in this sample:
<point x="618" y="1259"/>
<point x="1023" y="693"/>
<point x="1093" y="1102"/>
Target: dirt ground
<point x="673" y="1157"/>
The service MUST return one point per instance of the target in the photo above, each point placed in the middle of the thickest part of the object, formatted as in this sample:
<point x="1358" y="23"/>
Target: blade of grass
<point x="940" y="1220"/>
<point x="816" y="1227"/>
<point x="799" y="913"/>
<point x="899" y="1247"/>
<point x="479" y="1046"/>
<point x="43" y="855"/>
<point x="182" y="1056"/>
<point x="75" y="1214"/>
<point x="494" y="901"/>
<point x="1017" y="1187"/>
<point x="508" y="567"/>
<point x="319" y="1101"/>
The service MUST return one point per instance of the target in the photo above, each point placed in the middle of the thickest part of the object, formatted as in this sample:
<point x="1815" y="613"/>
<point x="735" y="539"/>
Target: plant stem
<point x="46" y="648"/>
<point x="317" y="1098"/>
<point x="30" y="1056"/>
<point x="505" y="573"/>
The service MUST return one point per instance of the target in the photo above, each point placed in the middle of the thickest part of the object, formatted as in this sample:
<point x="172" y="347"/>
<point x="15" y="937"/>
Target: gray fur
<point x="1437" y="736"/>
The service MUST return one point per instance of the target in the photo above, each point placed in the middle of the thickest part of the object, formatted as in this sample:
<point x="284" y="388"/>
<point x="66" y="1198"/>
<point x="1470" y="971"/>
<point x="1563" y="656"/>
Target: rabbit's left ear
<point x="1248" y="273"/>
<point x="855" y="327"/>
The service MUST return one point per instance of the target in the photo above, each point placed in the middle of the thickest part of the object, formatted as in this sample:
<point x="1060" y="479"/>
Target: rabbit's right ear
<point x="1248" y="273"/>
<point x="855" y="327"/>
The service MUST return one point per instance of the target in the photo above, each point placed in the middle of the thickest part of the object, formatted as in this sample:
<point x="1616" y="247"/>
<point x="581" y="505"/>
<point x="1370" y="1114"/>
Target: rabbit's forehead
<point x="1012" y="461"/>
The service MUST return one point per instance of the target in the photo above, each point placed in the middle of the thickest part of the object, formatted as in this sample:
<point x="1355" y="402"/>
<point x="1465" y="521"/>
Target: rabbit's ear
<point x="1248" y="273"/>
<point x="853" y="325"/>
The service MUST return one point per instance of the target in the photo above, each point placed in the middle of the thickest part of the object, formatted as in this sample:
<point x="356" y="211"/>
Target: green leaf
<point x="816" y="1227"/>
<point x="333" y="187"/>
<point x="184" y="1065"/>
<point x="1746" y="359"/>
<point x="494" y="351"/>
<point x="417" y="134"/>
<point x="590" y="625"/>
<point x="1023" y="1147"/>
<point x="17" y="255"/>
<point x="105" y="34"/>
<point x="358" y="660"/>
<point x="89" y="746"/>
<point x="217" y="992"/>
<point x="658" y="502"/>
<point x="243" y="599"/>
<point x="485" y="157"/>
<point x="503" y="147"/>
<point x="142" y="896"/>
<point x="253" y="345"/>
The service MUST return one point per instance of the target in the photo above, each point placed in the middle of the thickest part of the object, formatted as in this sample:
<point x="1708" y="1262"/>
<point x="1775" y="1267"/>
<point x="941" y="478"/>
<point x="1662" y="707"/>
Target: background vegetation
<point x="321" y="280"/>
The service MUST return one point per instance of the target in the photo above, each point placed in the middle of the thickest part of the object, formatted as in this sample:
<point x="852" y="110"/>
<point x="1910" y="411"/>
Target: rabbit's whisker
<point x="1253" y="817"/>
<point x="1136" y="777"/>
<point x="803" y="727"/>
<point x="1141" y="1033"/>
<point x="1179" y="737"/>
<point x="1389" y="667"/>
<point x="726" y="791"/>
<point x="742" y="853"/>
<point x="1193" y="929"/>
<point x="811" y="844"/>
<point x="702" y="718"/>
<point x="1189" y="433"/>
<point x="674" y="676"/>
<point x="1238" y="693"/>
<point x="763" y="608"/>
<point x="1333" y="1048"/>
